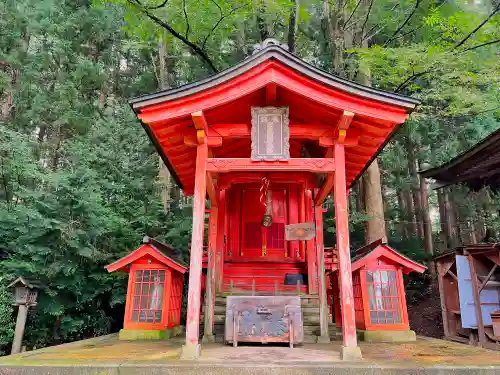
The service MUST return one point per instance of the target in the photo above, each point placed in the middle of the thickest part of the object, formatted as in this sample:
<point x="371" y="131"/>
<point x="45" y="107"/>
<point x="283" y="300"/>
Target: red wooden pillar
<point x="350" y="349"/>
<point x="191" y="350"/>
<point x="301" y="219"/>
<point x="320" y="256"/>
<point x="220" y="246"/>
<point x="208" y="333"/>
<point x="311" y="257"/>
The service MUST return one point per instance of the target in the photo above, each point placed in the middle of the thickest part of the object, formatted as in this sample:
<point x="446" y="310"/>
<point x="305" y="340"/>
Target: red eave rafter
<point x="272" y="72"/>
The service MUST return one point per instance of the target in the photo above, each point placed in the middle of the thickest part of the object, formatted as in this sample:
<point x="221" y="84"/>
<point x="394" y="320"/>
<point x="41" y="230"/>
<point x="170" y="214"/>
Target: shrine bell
<point x="154" y="293"/>
<point x="379" y="295"/>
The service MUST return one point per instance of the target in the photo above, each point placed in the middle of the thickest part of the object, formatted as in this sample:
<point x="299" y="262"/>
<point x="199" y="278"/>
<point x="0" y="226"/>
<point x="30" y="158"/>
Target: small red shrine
<point x="267" y="141"/>
<point x="154" y="293"/>
<point x="379" y="293"/>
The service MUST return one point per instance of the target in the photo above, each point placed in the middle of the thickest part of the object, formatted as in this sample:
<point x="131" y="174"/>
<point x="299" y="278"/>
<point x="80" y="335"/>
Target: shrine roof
<point x="316" y="100"/>
<point x="477" y="167"/>
<point x="380" y="249"/>
<point x="473" y="249"/>
<point x="152" y="248"/>
<point x="286" y="58"/>
<point x="27" y="283"/>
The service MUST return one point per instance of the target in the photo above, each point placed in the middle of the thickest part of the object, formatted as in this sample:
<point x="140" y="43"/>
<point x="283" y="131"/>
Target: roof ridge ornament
<point x="268" y="42"/>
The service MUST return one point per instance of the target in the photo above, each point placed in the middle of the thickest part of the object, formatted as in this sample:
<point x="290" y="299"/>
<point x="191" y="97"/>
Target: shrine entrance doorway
<point x="260" y="243"/>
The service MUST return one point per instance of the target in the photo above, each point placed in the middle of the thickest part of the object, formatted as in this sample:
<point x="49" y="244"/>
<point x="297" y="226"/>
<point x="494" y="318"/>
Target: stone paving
<point x="108" y="355"/>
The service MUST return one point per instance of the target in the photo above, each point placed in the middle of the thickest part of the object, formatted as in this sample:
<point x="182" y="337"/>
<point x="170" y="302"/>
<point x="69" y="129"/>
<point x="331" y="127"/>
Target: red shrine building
<point x="266" y="142"/>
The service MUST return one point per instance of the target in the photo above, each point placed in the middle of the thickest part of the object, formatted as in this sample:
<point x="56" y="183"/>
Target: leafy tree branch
<point x="196" y="49"/>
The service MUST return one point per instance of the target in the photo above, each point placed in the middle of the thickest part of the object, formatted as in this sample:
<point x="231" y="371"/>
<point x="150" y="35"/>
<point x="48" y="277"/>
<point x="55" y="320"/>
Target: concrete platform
<point x="108" y="355"/>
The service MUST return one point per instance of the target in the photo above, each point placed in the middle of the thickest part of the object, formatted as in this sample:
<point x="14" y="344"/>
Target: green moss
<point x="149" y="334"/>
<point x="387" y="336"/>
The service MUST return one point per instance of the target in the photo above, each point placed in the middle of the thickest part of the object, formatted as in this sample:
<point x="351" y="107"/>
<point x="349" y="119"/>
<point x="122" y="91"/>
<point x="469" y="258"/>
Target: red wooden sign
<point x="270" y="133"/>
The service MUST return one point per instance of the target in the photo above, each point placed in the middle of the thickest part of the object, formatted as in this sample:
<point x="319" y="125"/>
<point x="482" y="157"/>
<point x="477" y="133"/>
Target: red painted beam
<point x="210" y="280"/>
<point x="312" y="268"/>
<point x="297" y="130"/>
<point x="345" y="120"/>
<point x="343" y="124"/>
<point x="317" y="165"/>
<point x="199" y="121"/>
<point x="221" y="240"/>
<point x="271" y="94"/>
<point x="192" y="141"/>
<point x="227" y="179"/>
<point x="212" y="190"/>
<point x="325" y="189"/>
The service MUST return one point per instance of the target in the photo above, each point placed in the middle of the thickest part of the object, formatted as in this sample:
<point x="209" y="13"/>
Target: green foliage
<point x="7" y="326"/>
<point x="78" y="186"/>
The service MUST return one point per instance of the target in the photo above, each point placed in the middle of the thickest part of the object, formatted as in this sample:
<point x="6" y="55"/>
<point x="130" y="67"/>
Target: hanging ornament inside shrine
<point x="266" y="200"/>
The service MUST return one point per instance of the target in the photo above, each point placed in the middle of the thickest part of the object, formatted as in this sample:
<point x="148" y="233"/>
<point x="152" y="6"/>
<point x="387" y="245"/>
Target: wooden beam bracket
<point x="343" y="125"/>
<point x="325" y="189"/>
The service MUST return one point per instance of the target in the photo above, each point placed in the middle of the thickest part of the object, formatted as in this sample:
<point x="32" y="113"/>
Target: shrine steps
<point x="310" y="317"/>
<point x="262" y="277"/>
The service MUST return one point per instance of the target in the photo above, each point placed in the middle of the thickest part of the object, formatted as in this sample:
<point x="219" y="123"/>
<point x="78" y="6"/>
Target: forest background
<point x="80" y="183"/>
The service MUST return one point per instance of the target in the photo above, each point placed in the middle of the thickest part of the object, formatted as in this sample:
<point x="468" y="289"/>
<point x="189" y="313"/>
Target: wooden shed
<point x="469" y="286"/>
<point x="154" y="293"/>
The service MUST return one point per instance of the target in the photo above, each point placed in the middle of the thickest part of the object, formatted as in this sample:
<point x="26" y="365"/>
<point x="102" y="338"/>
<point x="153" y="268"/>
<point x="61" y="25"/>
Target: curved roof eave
<point x="286" y="58"/>
<point x="435" y="172"/>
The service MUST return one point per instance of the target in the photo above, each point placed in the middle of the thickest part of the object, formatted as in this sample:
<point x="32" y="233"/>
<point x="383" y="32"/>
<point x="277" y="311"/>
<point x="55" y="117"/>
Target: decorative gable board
<point x="489" y="296"/>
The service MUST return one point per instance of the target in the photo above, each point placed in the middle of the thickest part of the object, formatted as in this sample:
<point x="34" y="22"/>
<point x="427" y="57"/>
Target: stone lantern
<point x="25" y="295"/>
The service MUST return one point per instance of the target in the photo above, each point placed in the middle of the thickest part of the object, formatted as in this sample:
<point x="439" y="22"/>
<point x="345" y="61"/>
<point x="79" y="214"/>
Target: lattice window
<point x="148" y="296"/>
<point x="358" y="298"/>
<point x="276" y="236"/>
<point x="174" y="309"/>
<point x="383" y="297"/>
<point x="253" y="236"/>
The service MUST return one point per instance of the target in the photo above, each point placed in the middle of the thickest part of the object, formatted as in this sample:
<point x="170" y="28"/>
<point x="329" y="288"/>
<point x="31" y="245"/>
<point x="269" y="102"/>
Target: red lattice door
<point x="258" y="241"/>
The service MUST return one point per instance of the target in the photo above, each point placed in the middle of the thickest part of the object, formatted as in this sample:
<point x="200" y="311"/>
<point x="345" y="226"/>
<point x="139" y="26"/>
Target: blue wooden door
<point x="488" y="297"/>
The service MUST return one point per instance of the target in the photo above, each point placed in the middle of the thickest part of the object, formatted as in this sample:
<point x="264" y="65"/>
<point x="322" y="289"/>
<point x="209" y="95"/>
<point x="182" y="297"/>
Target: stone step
<point x="310" y="333"/>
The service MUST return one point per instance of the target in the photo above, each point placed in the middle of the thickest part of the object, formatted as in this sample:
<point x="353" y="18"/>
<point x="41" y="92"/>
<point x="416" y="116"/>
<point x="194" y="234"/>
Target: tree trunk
<point x="417" y="200"/>
<point x="456" y="219"/>
<point x="372" y="186"/>
<point x="403" y="217"/>
<point x="335" y="27"/>
<point x="444" y="219"/>
<point x="7" y="105"/>
<point x="357" y="189"/>
<point x="375" y="225"/>
<point x="428" y="244"/>
<point x="292" y="25"/>
<point x="262" y="25"/>
<point x="451" y="220"/>
<point x="410" y="213"/>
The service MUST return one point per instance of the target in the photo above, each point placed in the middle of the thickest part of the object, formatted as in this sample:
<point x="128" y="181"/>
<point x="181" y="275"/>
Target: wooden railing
<point x="256" y="286"/>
